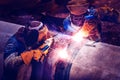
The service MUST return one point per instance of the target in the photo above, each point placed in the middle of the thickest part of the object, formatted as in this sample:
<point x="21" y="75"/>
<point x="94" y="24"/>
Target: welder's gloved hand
<point x="37" y="54"/>
<point x="27" y="57"/>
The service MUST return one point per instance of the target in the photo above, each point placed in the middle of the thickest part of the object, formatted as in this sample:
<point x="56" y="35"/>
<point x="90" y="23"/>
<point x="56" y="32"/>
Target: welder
<point x="25" y="51"/>
<point x="82" y="18"/>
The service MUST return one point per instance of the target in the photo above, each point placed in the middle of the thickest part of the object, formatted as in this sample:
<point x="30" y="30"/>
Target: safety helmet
<point x="42" y="29"/>
<point x="77" y="7"/>
<point x="37" y="25"/>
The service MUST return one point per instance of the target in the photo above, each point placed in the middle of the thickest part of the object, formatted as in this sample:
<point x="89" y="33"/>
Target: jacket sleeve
<point x="13" y="61"/>
<point x="90" y="29"/>
<point x="11" y="57"/>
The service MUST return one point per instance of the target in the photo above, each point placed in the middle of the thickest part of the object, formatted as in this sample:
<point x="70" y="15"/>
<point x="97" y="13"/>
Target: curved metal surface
<point x="86" y="62"/>
<point x="101" y="62"/>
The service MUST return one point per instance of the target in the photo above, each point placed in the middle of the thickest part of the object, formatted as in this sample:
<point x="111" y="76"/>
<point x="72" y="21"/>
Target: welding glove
<point x="37" y="54"/>
<point x="27" y="56"/>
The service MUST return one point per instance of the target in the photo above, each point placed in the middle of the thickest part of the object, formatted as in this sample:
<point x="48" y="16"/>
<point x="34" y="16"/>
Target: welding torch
<point x="47" y="43"/>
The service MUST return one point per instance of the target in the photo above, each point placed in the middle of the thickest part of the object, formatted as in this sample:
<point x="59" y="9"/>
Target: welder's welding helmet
<point x="37" y="25"/>
<point x="77" y="7"/>
<point x="42" y="29"/>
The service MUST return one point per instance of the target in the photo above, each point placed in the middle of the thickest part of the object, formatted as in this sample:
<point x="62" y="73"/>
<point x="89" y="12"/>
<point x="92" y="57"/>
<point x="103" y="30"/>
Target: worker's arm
<point x="91" y="29"/>
<point x="11" y="58"/>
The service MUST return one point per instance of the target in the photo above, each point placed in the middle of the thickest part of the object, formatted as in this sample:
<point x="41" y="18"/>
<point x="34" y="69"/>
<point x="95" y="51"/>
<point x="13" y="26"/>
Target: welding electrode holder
<point x="43" y="55"/>
<point x="44" y="48"/>
<point x="47" y="43"/>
